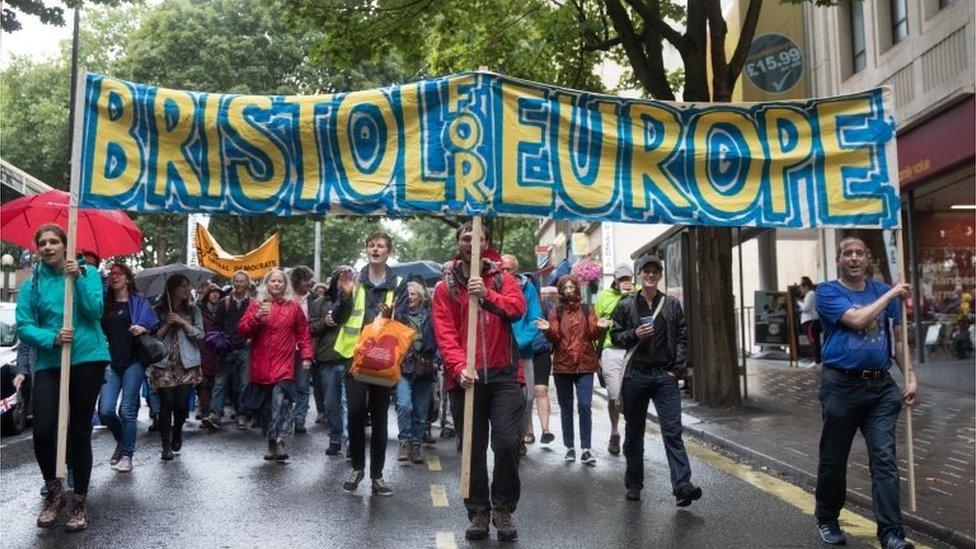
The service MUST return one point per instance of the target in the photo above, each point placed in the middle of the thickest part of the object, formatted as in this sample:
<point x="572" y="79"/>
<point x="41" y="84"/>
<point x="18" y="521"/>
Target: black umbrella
<point x="152" y="282"/>
<point x="429" y="271"/>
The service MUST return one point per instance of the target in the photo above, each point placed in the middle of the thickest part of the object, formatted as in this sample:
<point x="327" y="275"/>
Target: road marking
<point x="853" y="523"/>
<point x="445" y="540"/>
<point x="438" y="495"/>
<point x="433" y="463"/>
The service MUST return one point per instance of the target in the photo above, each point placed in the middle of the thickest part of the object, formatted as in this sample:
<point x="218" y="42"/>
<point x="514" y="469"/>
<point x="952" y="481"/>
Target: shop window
<point x="859" y="56"/>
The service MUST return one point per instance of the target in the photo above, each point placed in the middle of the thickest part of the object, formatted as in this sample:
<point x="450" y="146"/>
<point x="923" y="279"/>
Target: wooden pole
<point x="906" y="361"/>
<point x="61" y="469"/>
<point x="473" y="309"/>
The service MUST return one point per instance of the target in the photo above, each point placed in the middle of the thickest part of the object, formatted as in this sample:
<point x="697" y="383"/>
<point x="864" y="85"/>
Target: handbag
<point x="382" y="346"/>
<point x="151" y="350"/>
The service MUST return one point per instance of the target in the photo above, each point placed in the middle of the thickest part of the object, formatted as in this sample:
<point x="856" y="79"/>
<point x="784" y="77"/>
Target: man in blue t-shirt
<point x="859" y="317"/>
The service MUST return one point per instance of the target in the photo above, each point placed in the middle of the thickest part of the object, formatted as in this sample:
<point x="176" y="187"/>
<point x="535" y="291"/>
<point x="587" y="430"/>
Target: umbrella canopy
<point x="152" y="282"/>
<point x="106" y="232"/>
<point x="430" y="271"/>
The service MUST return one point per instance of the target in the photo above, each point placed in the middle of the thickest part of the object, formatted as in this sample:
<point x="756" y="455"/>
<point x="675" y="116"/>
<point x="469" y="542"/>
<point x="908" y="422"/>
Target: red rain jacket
<point x="274" y="340"/>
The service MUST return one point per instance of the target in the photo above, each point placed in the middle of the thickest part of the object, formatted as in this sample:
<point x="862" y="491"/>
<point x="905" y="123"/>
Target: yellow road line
<point x="438" y="495"/>
<point x="854" y="524"/>
<point x="433" y="463"/>
<point x="445" y="540"/>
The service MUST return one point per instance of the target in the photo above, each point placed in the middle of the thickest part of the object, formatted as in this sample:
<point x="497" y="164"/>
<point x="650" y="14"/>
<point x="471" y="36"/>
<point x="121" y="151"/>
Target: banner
<point x="481" y="143"/>
<point x="255" y="263"/>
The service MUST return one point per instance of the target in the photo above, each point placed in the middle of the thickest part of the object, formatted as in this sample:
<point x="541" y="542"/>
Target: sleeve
<point x="509" y="302"/>
<point x="343" y="307"/>
<point x="447" y="332"/>
<point x="28" y="330"/>
<point x="23" y="363"/>
<point x="220" y="315"/>
<point x="552" y="334"/>
<point x="89" y="295"/>
<point x="146" y="316"/>
<point x="400" y="306"/>
<point x="681" y="337"/>
<point x="894" y="310"/>
<point x="832" y="303"/>
<point x="302" y="334"/>
<point x="196" y="333"/>
<point x="622" y="335"/>
<point x="250" y="323"/>
<point x="317" y="311"/>
<point x="533" y="309"/>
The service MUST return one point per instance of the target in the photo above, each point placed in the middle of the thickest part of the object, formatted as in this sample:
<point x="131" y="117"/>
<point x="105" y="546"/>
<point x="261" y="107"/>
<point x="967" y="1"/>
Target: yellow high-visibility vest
<point x="349" y="333"/>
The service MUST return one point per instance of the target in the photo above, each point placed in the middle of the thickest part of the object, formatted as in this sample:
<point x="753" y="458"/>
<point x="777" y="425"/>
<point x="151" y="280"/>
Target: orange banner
<point x="255" y="263"/>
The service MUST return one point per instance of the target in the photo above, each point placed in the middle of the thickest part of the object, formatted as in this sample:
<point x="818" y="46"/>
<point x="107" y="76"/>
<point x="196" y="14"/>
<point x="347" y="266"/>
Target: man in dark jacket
<point x="330" y="367"/>
<point x="498" y="397"/>
<point x="651" y="326"/>
<point x="233" y="366"/>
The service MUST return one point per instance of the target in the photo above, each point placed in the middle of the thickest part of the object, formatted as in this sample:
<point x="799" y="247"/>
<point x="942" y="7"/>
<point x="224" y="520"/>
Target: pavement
<point x="220" y="493"/>
<point x="778" y="429"/>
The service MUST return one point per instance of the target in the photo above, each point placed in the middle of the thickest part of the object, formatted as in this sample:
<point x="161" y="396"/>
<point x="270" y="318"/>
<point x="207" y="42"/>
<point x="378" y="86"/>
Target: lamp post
<point x="7" y="264"/>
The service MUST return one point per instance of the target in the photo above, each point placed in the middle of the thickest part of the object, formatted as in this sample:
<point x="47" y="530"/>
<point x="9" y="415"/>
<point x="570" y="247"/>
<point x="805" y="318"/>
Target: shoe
<point x="280" y="453"/>
<point x="348" y="454"/>
<point x="124" y="465"/>
<point x="570" y="455"/>
<point x="831" y="533"/>
<point x="272" y="450"/>
<point x="447" y="432"/>
<point x="429" y="439"/>
<point x="320" y="419"/>
<point x="688" y="495"/>
<point x="403" y="454"/>
<point x="352" y="480"/>
<point x="212" y="421"/>
<point x="523" y="449"/>
<point x="614" y="447"/>
<point x="167" y="454"/>
<point x="300" y="429"/>
<point x="177" y="443"/>
<point x="54" y="501"/>
<point x="633" y="494"/>
<point x="333" y="449"/>
<point x="586" y="458"/>
<point x="154" y="426"/>
<point x="116" y="455"/>
<point x="416" y="454"/>
<point x="242" y="422"/>
<point x="478" y="529"/>
<point x="380" y="488"/>
<point x="502" y="519"/>
<point x="528" y="439"/>
<point x="78" y="518"/>
<point x="895" y="540"/>
<point x="547" y="437"/>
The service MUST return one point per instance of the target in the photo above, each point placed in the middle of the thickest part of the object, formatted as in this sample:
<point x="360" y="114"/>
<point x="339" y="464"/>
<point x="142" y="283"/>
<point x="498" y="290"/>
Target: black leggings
<point x="86" y="383"/>
<point x="174" y="407"/>
<point x="360" y="398"/>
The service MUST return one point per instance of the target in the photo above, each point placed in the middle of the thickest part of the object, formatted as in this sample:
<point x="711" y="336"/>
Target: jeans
<point x="413" y="401"/>
<point x="638" y="389"/>
<point x="303" y="389"/>
<point x="871" y="405"/>
<point x="128" y="384"/>
<point x="584" y="404"/>
<point x="329" y="377"/>
<point x="377" y="397"/>
<point x="233" y="368"/>
<point x="86" y="380"/>
<point x="498" y="405"/>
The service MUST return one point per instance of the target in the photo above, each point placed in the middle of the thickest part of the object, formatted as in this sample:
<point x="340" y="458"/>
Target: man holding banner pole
<point x="859" y="317"/>
<point x="498" y="400"/>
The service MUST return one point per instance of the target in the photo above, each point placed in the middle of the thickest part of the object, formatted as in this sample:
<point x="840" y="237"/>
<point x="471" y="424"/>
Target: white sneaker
<point x="124" y="465"/>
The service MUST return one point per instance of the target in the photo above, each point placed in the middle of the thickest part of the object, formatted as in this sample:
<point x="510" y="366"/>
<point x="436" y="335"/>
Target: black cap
<point x="646" y="260"/>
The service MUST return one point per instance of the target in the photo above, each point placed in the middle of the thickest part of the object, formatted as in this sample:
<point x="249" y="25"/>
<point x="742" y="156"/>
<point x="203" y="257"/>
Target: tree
<point x="49" y="15"/>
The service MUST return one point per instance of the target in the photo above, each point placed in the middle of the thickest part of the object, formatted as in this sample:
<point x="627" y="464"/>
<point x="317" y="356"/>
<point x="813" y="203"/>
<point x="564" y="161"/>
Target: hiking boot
<point x="124" y="465"/>
<point x="428" y="438"/>
<point x="586" y="458"/>
<point x="447" y="432"/>
<point x="177" y="442"/>
<point x="333" y="449"/>
<point x="154" y="426"/>
<point x="78" y="518"/>
<point x="478" y="529"/>
<point x="116" y="455"/>
<point x="54" y="501"/>
<point x="212" y="421"/>
<point x="633" y="494"/>
<point x="167" y="453"/>
<point x="403" y="454"/>
<point x="688" y="495"/>
<point x="300" y="429"/>
<point x="281" y="455"/>
<point x="570" y="455"/>
<point x="614" y="447"/>
<point x="895" y="540"/>
<point x="272" y="450"/>
<point x="352" y="480"/>
<point x="502" y="519"/>
<point x="831" y="533"/>
<point x="320" y="419"/>
<point x="547" y="437"/>
<point x="416" y="453"/>
<point x="380" y="488"/>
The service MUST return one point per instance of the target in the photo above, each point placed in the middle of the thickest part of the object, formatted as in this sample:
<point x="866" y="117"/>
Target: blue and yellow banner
<point x="481" y="143"/>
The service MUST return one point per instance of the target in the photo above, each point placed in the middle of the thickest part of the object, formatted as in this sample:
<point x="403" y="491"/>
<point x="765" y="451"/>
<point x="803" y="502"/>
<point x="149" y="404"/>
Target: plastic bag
<point x="379" y="353"/>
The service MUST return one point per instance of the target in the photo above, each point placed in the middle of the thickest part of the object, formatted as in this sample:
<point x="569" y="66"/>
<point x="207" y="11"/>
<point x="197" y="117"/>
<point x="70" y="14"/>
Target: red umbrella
<point x="107" y="233"/>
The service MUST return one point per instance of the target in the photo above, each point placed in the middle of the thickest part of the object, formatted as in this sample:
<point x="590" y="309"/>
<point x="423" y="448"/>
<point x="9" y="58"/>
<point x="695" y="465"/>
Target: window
<point x="858" y="50"/>
<point x="899" y="20"/>
<point x="944" y="3"/>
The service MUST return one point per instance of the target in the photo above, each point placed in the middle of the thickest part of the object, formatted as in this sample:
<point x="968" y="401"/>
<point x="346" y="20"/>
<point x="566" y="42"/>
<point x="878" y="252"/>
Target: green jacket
<point x="40" y="311"/>
<point x="606" y="302"/>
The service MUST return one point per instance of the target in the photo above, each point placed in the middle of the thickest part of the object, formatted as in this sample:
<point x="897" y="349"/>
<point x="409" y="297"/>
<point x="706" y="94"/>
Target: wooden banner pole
<point x="473" y="308"/>
<point x="906" y="360"/>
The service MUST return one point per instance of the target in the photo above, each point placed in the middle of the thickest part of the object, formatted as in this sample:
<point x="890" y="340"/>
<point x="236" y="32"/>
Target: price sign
<point x="774" y="64"/>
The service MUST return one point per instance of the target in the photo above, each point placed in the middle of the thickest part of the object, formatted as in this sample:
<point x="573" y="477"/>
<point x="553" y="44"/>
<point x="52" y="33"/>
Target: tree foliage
<point x="49" y="13"/>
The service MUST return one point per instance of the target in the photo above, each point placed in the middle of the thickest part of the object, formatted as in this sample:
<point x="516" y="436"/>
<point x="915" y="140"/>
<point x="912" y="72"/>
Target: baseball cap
<point x="622" y="270"/>
<point x="646" y="260"/>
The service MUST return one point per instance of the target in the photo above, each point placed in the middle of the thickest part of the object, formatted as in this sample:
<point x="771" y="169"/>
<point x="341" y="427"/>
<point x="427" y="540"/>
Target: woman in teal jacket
<point x="40" y="312"/>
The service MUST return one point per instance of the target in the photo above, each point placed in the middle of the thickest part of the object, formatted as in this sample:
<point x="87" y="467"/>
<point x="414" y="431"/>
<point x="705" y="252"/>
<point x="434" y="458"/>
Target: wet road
<point x="220" y="493"/>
